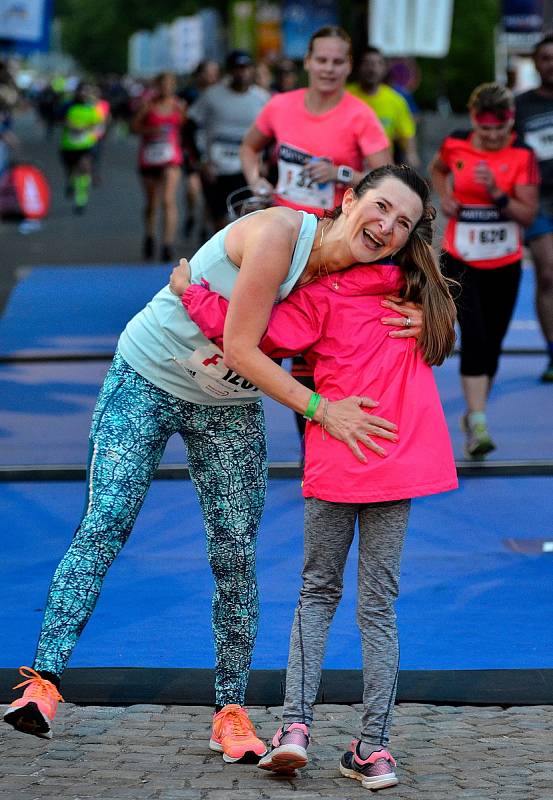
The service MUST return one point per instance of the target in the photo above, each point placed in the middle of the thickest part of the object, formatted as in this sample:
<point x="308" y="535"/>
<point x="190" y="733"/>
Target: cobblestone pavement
<point x="161" y="752"/>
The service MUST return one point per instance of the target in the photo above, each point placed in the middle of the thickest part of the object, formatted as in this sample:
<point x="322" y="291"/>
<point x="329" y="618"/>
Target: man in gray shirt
<point x="224" y="113"/>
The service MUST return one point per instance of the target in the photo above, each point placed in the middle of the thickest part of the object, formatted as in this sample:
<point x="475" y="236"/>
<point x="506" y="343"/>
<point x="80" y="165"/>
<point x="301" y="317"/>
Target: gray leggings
<point x="329" y="530"/>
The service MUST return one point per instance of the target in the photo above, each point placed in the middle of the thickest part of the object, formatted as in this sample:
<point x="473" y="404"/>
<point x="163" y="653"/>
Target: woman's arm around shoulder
<point x="262" y="245"/>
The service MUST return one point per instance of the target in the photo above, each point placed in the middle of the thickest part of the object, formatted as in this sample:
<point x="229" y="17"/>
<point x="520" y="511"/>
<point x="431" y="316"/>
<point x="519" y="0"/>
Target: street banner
<point x="242" y="26"/>
<point x="411" y="27"/>
<point x="522" y="16"/>
<point x="268" y="30"/>
<point x="187" y="46"/>
<point x="140" y="54"/>
<point x="161" y="49"/>
<point x="212" y="33"/>
<point x="26" y="23"/>
<point x="300" y="20"/>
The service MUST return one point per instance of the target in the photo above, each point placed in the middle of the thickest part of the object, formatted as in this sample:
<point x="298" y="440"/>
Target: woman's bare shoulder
<point x="277" y="218"/>
<point x="275" y="225"/>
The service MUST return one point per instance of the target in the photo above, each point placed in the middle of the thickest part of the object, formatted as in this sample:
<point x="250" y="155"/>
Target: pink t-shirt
<point x="344" y="135"/>
<point x="341" y="336"/>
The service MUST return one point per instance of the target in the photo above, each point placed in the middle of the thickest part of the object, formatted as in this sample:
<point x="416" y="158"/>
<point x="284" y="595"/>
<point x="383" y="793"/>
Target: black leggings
<point x="485" y="304"/>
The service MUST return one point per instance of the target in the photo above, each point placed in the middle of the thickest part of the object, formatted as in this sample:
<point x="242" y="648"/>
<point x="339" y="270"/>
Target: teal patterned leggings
<point x="132" y="422"/>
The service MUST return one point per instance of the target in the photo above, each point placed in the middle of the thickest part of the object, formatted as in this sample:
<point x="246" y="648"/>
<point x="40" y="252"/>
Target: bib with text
<point x="482" y="234"/>
<point x="207" y="368"/>
<point x="295" y="184"/>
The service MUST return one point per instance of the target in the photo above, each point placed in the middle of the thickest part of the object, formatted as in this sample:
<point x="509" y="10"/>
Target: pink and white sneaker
<point x="289" y="751"/>
<point x="374" y="772"/>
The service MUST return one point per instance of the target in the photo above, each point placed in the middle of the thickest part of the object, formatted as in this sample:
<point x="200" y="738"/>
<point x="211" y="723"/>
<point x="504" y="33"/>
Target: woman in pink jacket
<point x="335" y="322"/>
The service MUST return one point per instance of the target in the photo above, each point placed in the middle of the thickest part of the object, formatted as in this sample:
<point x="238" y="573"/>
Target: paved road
<point x="160" y="752"/>
<point x="109" y="233"/>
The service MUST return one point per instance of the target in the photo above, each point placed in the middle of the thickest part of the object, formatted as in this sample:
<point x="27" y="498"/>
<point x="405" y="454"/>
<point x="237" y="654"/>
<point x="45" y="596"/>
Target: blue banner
<point x="300" y="20"/>
<point x="25" y="24"/>
<point x="522" y="16"/>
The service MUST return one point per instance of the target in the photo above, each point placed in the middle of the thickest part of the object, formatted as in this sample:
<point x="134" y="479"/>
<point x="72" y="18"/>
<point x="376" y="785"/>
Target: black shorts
<point x="485" y="301"/>
<point x="156" y="172"/>
<point x="72" y="157"/>
<point x="217" y="191"/>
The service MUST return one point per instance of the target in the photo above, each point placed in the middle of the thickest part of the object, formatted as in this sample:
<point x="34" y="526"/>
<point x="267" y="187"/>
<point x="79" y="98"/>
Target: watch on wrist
<point x="344" y="174"/>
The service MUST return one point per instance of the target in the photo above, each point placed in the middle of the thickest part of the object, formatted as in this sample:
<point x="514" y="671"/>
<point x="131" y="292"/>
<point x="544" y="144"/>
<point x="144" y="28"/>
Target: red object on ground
<point x="24" y="193"/>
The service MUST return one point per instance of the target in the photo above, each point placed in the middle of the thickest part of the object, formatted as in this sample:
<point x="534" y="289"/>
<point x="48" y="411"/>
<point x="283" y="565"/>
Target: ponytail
<point x="425" y="284"/>
<point x="418" y="262"/>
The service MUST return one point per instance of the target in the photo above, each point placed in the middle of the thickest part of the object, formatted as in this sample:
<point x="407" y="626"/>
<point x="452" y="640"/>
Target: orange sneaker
<point x="233" y="735"/>
<point x="34" y="712"/>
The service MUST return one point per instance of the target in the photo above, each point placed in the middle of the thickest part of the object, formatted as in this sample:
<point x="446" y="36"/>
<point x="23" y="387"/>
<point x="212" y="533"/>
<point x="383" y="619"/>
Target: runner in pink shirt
<point x="158" y="123"/>
<point x="324" y="140"/>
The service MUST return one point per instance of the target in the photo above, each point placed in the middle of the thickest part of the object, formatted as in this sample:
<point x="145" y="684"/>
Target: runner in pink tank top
<point x="160" y="146"/>
<point x="158" y="122"/>
<point x="324" y="140"/>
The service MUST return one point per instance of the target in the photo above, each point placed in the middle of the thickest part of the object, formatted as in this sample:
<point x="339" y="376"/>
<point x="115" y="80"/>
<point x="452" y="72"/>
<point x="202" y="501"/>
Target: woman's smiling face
<point x="379" y="223"/>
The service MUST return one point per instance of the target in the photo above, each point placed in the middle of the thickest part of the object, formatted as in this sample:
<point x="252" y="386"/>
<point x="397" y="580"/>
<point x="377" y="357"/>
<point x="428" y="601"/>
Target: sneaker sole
<point x="29" y="719"/>
<point x="477" y="453"/>
<point x="249" y="757"/>
<point x="480" y="450"/>
<point x="285" y="760"/>
<point x="378" y="782"/>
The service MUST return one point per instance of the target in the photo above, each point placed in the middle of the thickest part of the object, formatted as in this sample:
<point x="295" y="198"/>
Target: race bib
<point x="541" y="142"/>
<point x="156" y="153"/>
<point x="294" y="183"/>
<point x="207" y="368"/>
<point x="481" y="234"/>
<point x="226" y="157"/>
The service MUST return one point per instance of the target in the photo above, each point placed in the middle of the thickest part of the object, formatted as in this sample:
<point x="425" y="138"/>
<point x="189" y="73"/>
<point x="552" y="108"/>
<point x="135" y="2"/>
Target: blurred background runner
<point x="325" y="140"/>
<point x="389" y="106"/>
<point x="534" y="121"/>
<point x="223" y="113"/>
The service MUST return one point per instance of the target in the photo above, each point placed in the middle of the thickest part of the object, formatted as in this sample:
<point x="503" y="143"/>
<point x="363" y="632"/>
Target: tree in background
<point x="96" y="32"/>
<point x="471" y="58"/>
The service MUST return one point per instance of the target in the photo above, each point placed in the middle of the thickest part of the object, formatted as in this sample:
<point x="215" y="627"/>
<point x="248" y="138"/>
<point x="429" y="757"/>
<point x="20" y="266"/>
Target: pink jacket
<point x="340" y="334"/>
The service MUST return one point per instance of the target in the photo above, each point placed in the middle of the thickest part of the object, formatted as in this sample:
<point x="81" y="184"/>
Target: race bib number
<point x="207" y="368"/>
<point x="481" y="234"/>
<point x="156" y="153"/>
<point x="226" y="157"/>
<point x="541" y="142"/>
<point x="294" y="183"/>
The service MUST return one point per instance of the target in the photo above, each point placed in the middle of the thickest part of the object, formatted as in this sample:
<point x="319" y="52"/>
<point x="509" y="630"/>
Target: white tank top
<point x="161" y="339"/>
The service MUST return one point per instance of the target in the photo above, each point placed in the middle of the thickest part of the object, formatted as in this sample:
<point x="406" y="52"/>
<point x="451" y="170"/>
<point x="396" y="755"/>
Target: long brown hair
<point x="424" y="282"/>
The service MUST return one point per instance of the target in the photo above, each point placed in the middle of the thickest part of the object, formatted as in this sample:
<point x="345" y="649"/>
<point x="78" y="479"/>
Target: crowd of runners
<point x="331" y="166"/>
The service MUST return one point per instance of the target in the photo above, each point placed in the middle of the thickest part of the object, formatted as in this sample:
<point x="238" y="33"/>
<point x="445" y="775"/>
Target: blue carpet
<point x="468" y="601"/>
<point x="56" y="310"/>
<point x="45" y="412"/>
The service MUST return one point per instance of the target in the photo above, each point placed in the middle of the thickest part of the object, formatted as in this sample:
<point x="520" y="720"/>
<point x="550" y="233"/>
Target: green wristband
<point x="312" y="406"/>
